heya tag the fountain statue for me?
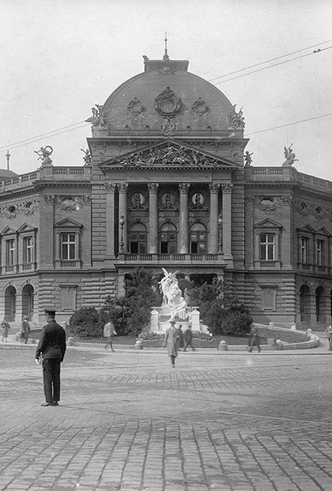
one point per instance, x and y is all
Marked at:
(174, 307)
(172, 295)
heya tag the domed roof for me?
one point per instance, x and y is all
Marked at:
(167, 92)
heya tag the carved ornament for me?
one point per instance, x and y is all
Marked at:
(153, 187)
(184, 188)
(135, 107)
(200, 107)
(167, 103)
(169, 155)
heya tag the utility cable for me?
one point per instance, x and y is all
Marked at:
(268, 61)
(27, 141)
(289, 124)
(271, 66)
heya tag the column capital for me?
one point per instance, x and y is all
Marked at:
(184, 187)
(214, 188)
(226, 187)
(110, 187)
(153, 187)
(122, 187)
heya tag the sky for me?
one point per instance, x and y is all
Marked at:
(58, 58)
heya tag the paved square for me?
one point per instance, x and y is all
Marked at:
(129, 422)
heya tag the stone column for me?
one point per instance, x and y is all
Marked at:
(110, 190)
(123, 213)
(214, 232)
(153, 218)
(227, 220)
(183, 225)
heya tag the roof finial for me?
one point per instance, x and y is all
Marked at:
(166, 57)
(8, 157)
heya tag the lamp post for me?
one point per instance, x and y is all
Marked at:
(122, 222)
(220, 222)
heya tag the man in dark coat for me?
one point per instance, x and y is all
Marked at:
(254, 339)
(52, 348)
(188, 338)
(25, 329)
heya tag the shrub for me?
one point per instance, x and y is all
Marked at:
(151, 336)
(85, 323)
(202, 335)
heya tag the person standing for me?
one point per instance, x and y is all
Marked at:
(52, 349)
(181, 337)
(171, 342)
(328, 332)
(254, 339)
(109, 332)
(188, 338)
(25, 330)
(5, 328)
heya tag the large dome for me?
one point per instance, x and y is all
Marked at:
(166, 91)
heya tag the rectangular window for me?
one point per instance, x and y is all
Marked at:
(27, 250)
(304, 250)
(10, 252)
(267, 247)
(319, 252)
(68, 246)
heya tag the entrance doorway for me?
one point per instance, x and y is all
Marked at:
(27, 301)
(10, 303)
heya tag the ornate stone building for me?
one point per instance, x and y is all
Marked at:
(167, 183)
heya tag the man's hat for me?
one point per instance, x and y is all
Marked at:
(172, 323)
(50, 311)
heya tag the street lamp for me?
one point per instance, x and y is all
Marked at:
(220, 222)
(122, 222)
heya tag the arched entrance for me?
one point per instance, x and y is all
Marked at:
(10, 303)
(305, 303)
(320, 304)
(27, 301)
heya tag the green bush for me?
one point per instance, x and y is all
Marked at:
(85, 323)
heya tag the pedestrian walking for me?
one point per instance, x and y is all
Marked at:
(254, 339)
(5, 328)
(25, 330)
(181, 337)
(171, 342)
(188, 339)
(109, 332)
(51, 348)
(328, 332)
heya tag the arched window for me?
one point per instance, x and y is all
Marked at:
(168, 239)
(197, 239)
(137, 239)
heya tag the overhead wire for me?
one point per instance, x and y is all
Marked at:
(268, 61)
(37, 138)
(81, 124)
(289, 124)
(271, 66)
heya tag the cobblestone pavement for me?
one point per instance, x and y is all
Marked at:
(129, 422)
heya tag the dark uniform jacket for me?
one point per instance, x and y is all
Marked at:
(52, 342)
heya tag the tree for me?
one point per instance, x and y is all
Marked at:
(132, 312)
(221, 310)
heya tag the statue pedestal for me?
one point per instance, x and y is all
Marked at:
(160, 317)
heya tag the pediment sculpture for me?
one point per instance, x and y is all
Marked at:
(170, 155)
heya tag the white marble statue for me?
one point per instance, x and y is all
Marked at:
(172, 295)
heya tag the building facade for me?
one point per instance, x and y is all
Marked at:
(167, 183)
